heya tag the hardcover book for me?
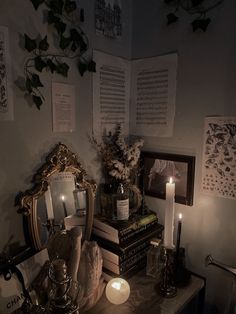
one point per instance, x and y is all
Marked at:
(119, 232)
(119, 252)
(124, 266)
(108, 274)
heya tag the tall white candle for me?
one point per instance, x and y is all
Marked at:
(169, 214)
(48, 200)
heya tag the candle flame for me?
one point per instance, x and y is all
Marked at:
(180, 216)
(62, 197)
(171, 180)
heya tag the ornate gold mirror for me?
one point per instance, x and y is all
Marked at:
(61, 197)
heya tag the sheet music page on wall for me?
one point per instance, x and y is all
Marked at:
(63, 107)
(6, 97)
(139, 94)
(111, 93)
(153, 95)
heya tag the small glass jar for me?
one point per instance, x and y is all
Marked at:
(80, 199)
(154, 263)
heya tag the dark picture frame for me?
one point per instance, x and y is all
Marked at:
(157, 168)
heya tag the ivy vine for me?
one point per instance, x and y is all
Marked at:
(72, 43)
(198, 8)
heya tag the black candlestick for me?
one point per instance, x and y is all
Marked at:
(178, 238)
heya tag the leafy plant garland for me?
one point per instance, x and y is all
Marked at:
(193, 7)
(73, 43)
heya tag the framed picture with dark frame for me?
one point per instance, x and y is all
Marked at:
(157, 168)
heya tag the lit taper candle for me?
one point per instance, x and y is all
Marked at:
(169, 214)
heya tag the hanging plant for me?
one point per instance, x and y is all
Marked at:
(198, 8)
(72, 43)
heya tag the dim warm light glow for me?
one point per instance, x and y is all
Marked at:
(171, 180)
(117, 290)
(180, 216)
(62, 197)
(116, 285)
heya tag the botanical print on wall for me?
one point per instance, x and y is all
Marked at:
(219, 157)
(108, 18)
(6, 106)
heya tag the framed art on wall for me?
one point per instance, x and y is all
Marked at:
(157, 168)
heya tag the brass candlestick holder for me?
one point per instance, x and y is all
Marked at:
(167, 287)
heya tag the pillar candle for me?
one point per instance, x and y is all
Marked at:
(169, 214)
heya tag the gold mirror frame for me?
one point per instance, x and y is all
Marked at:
(61, 159)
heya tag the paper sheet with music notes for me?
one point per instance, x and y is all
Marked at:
(6, 97)
(139, 94)
(219, 157)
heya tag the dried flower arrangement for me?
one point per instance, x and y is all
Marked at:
(120, 157)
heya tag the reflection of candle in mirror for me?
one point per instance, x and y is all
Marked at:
(48, 200)
(64, 205)
(117, 291)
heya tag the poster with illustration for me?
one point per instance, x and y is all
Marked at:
(6, 105)
(219, 157)
(108, 20)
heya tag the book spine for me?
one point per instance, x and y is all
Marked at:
(133, 233)
(108, 274)
(126, 265)
(137, 225)
(119, 257)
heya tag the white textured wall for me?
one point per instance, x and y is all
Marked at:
(25, 141)
(205, 86)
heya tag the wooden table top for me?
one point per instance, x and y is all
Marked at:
(145, 298)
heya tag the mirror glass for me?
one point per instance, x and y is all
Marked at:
(61, 198)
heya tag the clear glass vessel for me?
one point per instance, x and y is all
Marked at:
(121, 204)
(154, 262)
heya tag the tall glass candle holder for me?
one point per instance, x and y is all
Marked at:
(167, 286)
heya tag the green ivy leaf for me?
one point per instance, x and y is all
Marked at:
(60, 27)
(200, 24)
(171, 18)
(64, 42)
(78, 39)
(195, 3)
(35, 81)
(56, 6)
(37, 100)
(28, 85)
(73, 47)
(52, 18)
(62, 68)
(92, 66)
(43, 44)
(51, 65)
(82, 67)
(70, 6)
(30, 44)
(37, 3)
(39, 64)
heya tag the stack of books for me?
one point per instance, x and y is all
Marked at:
(124, 244)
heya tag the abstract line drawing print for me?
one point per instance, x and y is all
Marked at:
(219, 157)
(3, 75)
